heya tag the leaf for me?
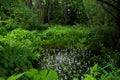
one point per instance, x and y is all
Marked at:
(31, 73)
(2, 78)
(118, 71)
(96, 73)
(48, 75)
(94, 68)
(43, 74)
(36, 77)
(89, 77)
(75, 79)
(52, 75)
(14, 77)
(107, 78)
(1, 48)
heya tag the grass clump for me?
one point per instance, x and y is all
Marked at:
(64, 37)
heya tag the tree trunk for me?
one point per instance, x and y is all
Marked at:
(90, 22)
(40, 10)
(48, 10)
(116, 7)
(65, 11)
(118, 23)
(30, 4)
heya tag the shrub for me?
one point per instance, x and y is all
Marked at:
(80, 37)
(102, 35)
(18, 50)
(64, 37)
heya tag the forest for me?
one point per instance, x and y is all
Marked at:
(59, 39)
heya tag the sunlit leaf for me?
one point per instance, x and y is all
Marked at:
(2, 78)
(75, 79)
(14, 77)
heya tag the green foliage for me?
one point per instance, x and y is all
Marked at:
(34, 74)
(2, 78)
(76, 13)
(101, 35)
(75, 79)
(29, 17)
(14, 77)
(22, 17)
(98, 14)
(64, 37)
(85, 38)
(3, 31)
(103, 73)
(18, 49)
(48, 75)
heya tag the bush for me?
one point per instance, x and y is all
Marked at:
(18, 50)
(80, 37)
(3, 31)
(64, 37)
(105, 35)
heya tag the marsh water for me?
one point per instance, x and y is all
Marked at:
(68, 63)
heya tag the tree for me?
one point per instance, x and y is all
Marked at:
(114, 4)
